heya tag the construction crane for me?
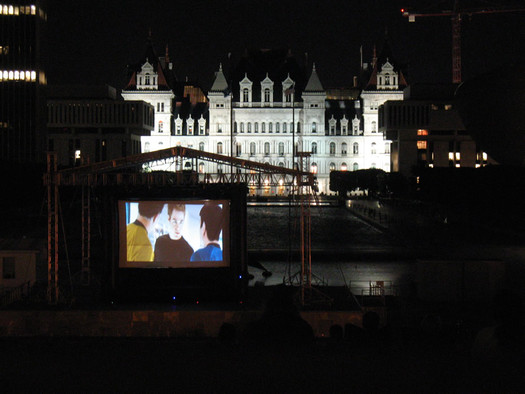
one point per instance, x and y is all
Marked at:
(456, 15)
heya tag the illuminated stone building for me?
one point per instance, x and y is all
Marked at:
(266, 104)
(22, 125)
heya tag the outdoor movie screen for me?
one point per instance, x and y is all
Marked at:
(174, 233)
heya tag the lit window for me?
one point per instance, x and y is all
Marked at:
(356, 166)
(422, 132)
(332, 148)
(281, 148)
(266, 148)
(421, 145)
(374, 149)
(356, 148)
(219, 147)
(313, 168)
(33, 75)
(332, 166)
(343, 167)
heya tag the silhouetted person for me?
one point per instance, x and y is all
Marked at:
(498, 350)
(281, 322)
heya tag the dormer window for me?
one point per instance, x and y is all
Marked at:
(267, 90)
(245, 87)
(266, 95)
(288, 90)
(146, 79)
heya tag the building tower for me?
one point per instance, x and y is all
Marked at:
(22, 124)
(149, 83)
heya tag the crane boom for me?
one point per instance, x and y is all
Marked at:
(456, 16)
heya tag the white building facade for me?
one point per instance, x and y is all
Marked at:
(262, 111)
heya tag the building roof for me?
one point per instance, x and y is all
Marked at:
(385, 56)
(314, 84)
(276, 64)
(220, 84)
(161, 65)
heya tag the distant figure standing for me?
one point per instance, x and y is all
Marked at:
(211, 226)
(172, 247)
(139, 247)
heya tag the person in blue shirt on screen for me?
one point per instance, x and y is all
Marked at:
(211, 226)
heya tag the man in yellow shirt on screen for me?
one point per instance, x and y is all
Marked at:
(139, 247)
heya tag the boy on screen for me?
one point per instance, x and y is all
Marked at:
(138, 243)
(210, 230)
(172, 247)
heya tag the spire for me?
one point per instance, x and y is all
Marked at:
(374, 59)
(314, 84)
(220, 84)
(167, 56)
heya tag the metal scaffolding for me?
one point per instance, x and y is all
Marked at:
(130, 171)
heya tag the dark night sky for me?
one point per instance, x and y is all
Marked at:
(92, 41)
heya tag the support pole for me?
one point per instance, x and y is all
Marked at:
(52, 229)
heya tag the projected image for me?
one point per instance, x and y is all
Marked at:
(173, 234)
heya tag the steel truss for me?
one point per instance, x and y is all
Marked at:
(134, 170)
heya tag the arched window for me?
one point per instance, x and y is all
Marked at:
(314, 148)
(298, 127)
(245, 95)
(277, 127)
(201, 168)
(374, 126)
(332, 148)
(263, 127)
(238, 149)
(266, 95)
(219, 148)
(266, 148)
(252, 148)
(242, 127)
(314, 127)
(249, 127)
(235, 127)
(343, 148)
(281, 148)
(343, 167)
(256, 127)
(356, 148)
(374, 149)
(201, 145)
(284, 127)
(332, 166)
(313, 168)
(270, 127)
(373, 165)
(356, 167)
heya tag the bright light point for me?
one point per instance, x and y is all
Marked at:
(173, 298)
(240, 276)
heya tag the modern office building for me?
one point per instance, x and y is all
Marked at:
(89, 124)
(426, 131)
(22, 122)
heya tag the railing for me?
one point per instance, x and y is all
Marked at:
(14, 294)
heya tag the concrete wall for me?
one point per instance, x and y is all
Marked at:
(149, 323)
